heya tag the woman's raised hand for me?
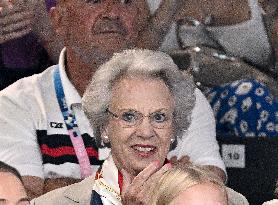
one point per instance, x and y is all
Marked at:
(137, 190)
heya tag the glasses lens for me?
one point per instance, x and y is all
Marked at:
(129, 118)
(160, 120)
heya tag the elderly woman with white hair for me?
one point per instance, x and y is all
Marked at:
(138, 104)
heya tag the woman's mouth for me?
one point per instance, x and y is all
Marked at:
(144, 150)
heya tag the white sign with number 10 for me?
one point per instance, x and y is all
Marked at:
(233, 155)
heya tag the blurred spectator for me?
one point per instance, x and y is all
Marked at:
(227, 47)
(41, 116)
(24, 29)
(12, 191)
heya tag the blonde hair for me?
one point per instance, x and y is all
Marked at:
(179, 179)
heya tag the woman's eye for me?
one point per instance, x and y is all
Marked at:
(129, 117)
(159, 117)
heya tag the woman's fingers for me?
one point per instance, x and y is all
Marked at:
(15, 16)
(14, 35)
(127, 180)
(144, 194)
(144, 175)
(131, 189)
(153, 179)
(137, 191)
(14, 25)
(17, 26)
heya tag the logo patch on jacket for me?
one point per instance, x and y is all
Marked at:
(56, 125)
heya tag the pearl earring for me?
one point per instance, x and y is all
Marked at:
(105, 139)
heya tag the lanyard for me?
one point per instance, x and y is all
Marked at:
(72, 127)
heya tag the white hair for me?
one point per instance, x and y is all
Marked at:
(139, 63)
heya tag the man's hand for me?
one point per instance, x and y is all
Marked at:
(137, 191)
(15, 20)
(216, 171)
(33, 186)
(185, 160)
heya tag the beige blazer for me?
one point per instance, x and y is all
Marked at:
(80, 193)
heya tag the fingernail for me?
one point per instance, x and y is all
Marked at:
(156, 163)
(169, 165)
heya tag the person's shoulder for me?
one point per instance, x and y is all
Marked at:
(202, 112)
(28, 93)
(235, 198)
(28, 85)
(272, 202)
(78, 193)
(201, 100)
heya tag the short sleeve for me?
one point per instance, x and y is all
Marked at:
(19, 147)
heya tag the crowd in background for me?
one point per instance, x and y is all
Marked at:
(230, 47)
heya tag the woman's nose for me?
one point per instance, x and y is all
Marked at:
(145, 129)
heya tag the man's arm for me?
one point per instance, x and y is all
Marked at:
(19, 147)
(33, 186)
(159, 24)
(36, 186)
(199, 142)
(51, 184)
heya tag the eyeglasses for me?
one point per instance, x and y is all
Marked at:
(160, 119)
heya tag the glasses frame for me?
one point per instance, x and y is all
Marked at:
(140, 120)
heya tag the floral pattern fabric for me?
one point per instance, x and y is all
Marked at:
(244, 108)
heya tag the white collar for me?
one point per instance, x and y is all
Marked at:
(109, 173)
(71, 94)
